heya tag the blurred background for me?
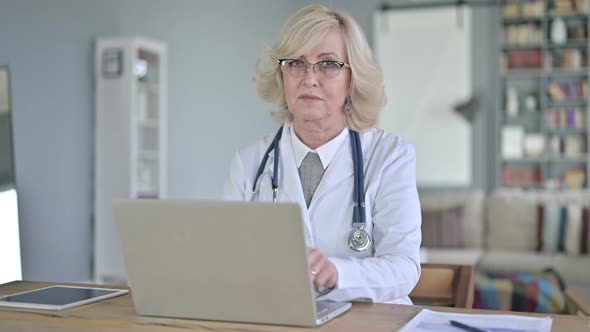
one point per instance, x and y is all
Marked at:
(145, 98)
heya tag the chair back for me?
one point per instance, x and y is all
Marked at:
(445, 285)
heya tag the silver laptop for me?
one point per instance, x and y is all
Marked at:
(228, 261)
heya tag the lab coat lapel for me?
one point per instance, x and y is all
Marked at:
(289, 184)
(340, 169)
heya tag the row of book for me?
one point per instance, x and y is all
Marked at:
(567, 59)
(536, 8)
(531, 34)
(527, 34)
(521, 175)
(569, 6)
(576, 30)
(567, 146)
(567, 91)
(566, 118)
(518, 144)
(523, 9)
(530, 176)
(574, 179)
(522, 60)
(571, 179)
(571, 58)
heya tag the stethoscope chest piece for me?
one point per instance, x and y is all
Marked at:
(359, 239)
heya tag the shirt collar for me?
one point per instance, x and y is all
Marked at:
(326, 152)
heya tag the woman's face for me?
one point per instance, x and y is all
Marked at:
(314, 97)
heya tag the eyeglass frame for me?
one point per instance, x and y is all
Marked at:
(342, 64)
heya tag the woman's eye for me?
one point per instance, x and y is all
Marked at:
(296, 63)
(330, 65)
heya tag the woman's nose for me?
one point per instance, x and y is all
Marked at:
(310, 77)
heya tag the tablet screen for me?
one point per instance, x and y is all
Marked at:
(60, 296)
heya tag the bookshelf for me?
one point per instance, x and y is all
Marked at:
(130, 138)
(544, 94)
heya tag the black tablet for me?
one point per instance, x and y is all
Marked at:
(59, 297)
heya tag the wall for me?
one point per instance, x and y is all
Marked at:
(212, 49)
(48, 44)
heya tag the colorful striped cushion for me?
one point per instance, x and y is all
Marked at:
(563, 229)
(524, 291)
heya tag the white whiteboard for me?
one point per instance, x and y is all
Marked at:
(425, 55)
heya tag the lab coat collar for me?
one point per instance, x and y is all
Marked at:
(326, 152)
(340, 169)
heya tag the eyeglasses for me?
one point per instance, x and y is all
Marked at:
(326, 69)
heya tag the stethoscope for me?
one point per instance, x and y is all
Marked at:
(359, 239)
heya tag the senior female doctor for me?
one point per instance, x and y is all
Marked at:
(363, 217)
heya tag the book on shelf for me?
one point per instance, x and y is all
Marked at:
(574, 145)
(576, 31)
(553, 184)
(524, 59)
(574, 178)
(512, 142)
(566, 118)
(534, 145)
(523, 9)
(523, 34)
(555, 146)
(565, 7)
(567, 91)
(568, 59)
(521, 175)
(532, 9)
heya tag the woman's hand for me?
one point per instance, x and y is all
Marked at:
(323, 270)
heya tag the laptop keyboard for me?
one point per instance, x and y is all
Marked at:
(320, 309)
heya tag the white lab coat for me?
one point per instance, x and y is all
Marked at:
(389, 270)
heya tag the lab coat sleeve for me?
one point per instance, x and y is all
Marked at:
(394, 269)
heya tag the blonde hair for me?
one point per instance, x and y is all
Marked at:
(304, 30)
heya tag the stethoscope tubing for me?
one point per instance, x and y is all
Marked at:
(358, 214)
(275, 177)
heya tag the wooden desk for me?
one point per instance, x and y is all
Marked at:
(117, 314)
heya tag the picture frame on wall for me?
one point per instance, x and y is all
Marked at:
(112, 62)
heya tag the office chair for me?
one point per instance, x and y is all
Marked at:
(445, 285)
(576, 305)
